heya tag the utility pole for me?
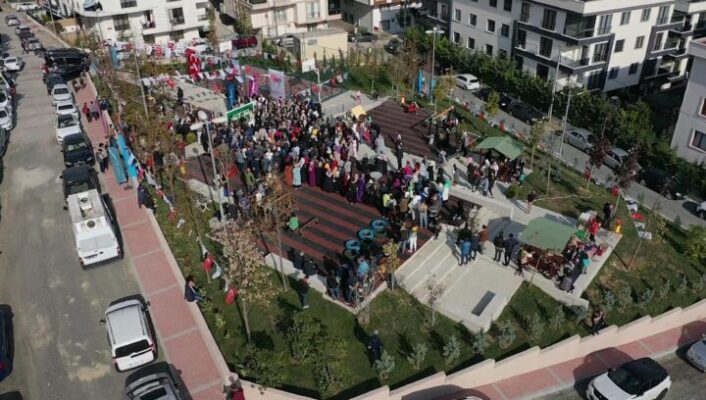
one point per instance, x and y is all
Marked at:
(433, 61)
(142, 86)
(556, 77)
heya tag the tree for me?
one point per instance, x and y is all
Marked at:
(391, 262)
(624, 298)
(434, 292)
(696, 243)
(556, 320)
(442, 87)
(626, 172)
(418, 355)
(596, 155)
(537, 133)
(305, 334)
(245, 270)
(506, 334)
(329, 364)
(264, 366)
(452, 350)
(655, 224)
(493, 104)
(385, 365)
(481, 341)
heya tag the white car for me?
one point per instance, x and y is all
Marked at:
(61, 92)
(468, 82)
(5, 99)
(642, 379)
(5, 119)
(14, 64)
(131, 341)
(66, 108)
(27, 6)
(66, 124)
(701, 210)
(580, 138)
(615, 157)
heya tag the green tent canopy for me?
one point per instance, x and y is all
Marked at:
(546, 234)
(504, 145)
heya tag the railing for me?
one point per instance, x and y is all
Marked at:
(128, 3)
(176, 21)
(148, 25)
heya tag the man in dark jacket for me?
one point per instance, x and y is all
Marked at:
(509, 247)
(375, 345)
(498, 242)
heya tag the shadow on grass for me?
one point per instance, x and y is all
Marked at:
(363, 387)
(413, 378)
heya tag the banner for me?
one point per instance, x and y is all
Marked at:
(277, 83)
(117, 164)
(246, 111)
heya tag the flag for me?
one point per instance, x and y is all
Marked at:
(204, 251)
(217, 272)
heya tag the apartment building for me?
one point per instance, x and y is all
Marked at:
(379, 15)
(153, 21)
(272, 18)
(689, 138)
(599, 44)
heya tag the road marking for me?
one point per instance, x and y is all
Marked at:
(180, 334)
(162, 290)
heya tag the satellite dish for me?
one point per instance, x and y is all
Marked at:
(91, 224)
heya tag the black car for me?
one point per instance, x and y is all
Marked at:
(5, 348)
(504, 99)
(394, 46)
(51, 80)
(525, 112)
(79, 179)
(77, 150)
(361, 37)
(70, 72)
(662, 182)
(159, 385)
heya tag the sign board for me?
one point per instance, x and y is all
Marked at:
(246, 111)
(308, 65)
(225, 46)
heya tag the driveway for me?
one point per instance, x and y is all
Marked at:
(61, 351)
(683, 210)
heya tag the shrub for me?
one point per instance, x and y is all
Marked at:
(191, 138)
(481, 341)
(385, 365)
(624, 298)
(608, 301)
(556, 320)
(418, 355)
(646, 297)
(683, 285)
(535, 326)
(512, 191)
(506, 335)
(664, 290)
(452, 350)
(580, 313)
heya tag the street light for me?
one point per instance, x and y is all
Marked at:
(433, 61)
(318, 83)
(216, 180)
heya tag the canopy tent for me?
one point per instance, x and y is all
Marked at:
(546, 234)
(504, 145)
(357, 111)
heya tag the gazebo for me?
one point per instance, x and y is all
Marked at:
(546, 239)
(504, 145)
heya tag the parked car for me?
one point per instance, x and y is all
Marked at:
(52, 80)
(28, 6)
(243, 42)
(5, 100)
(697, 354)
(701, 210)
(32, 44)
(393, 47)
(580, 138)
(361, 37)
(14, 64)
(154, 386)
(79, 179)
(66, 108)
(662, 182)
(4, 139)
(5, 119)
(525, 112)
(61, 92)
(22, 28)
(11, 20)
(67, 124)
(131, 341)
(70, 72)
(504, 99)
(77, 150)
(285, 41)
(642, 379)
(5, 334)
(467, 82)
(615, 158)
(25, 35)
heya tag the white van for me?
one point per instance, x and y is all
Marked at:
(92, 224)
(131, 340)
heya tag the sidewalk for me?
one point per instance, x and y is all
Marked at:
(563, 376)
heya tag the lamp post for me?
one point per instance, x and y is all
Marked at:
(318, 83)
(433, 61)
(216, 179)
(561, 141)
(556, 78)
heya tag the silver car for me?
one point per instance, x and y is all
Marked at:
(580, 138)
(61, 92)
(697, 355)
(155, 386)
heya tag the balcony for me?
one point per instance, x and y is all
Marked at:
(177, 21)
(568, 65)
(148, 25)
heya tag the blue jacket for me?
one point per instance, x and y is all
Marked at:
(466, 247)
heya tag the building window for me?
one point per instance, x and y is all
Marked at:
(280, 15)
(658, 42)
(604, 24)
(457, 14)
(385, 24)
(444, 12)
(121, 23)
(457, 37)
(545, 47)
(202, 17)
(619, 44)
(549, 20)
(471, 43)
(639, 42)
(633, 68)
(502, 53)
(600, 52)
(313, 11)
(128, 3)
(703, 107)
(699, 140)
(625, 18)
(594, 80)
(543, 71)
(613, 73)
(202, 4)
(521, 38)
(490, 26)
(507, 5)
(489, 49)
(645, 14)
(525, 12)
(505, 30)
(519, 62)
(176, 16)
(472, 19)
(493, 3)
(663, 15)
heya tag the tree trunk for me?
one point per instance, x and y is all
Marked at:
(532, 158)
(244, 314)
(279, 246)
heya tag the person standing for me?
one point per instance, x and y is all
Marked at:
(375, 345)
(531, 198)
(465, 248)
(498, 242)
(95, 110)
(423, 212)
(399, 151)
(597, 321)
(413, 239)
(333, 286)
(608, 212)
(509, 247)
(102, 158)
(86, 111)
(484, 237)
(304, 292)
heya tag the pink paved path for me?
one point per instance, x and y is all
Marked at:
(185, 344)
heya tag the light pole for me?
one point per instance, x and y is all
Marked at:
(318, 83)
(561, 141)
(433, 61)
(556, 78)
(216, 179)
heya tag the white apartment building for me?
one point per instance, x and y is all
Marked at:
(379, 15)
(689, 138)
(599, 44)
(272, 18)
(151, 21)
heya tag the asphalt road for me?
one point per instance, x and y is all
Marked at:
(684, 210)
(688, 383)
(61, 351)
